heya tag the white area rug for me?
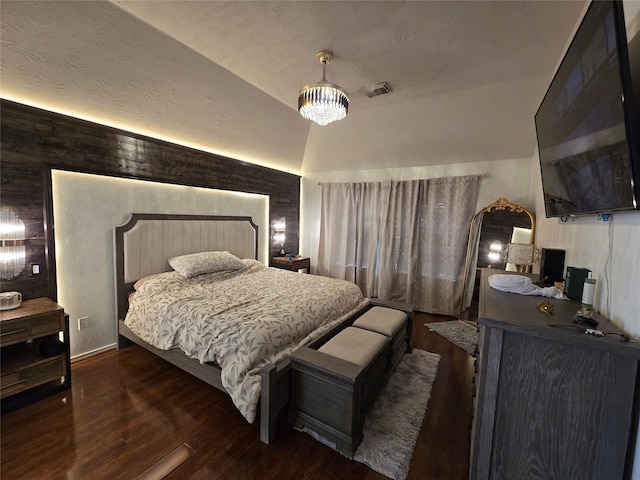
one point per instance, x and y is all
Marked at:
(459, 333)
(392, 426)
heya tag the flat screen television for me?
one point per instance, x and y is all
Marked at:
(587, 124)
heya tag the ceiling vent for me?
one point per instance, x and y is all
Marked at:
(379, 89)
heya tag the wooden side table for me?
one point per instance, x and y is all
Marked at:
(35, 363)
(294, 263)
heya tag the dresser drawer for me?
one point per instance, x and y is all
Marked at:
(38, 373)
(21, 329)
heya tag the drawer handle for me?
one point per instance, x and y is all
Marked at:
(14, 383)
(13, 332)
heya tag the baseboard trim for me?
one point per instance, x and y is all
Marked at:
(92, 353)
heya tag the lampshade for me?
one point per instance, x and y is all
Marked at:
(521, 255)
(323, 102)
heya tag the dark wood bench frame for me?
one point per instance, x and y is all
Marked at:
(331, 396)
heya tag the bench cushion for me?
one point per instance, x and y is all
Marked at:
(383, 320)
(355, 345)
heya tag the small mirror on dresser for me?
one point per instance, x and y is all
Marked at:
(491, 231)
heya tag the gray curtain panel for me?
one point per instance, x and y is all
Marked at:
(399, 240)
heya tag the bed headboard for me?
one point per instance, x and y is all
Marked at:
(145, 244)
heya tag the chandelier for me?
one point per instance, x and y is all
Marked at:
(323, 102)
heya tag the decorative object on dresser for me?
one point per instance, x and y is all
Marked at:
(292, 262)
(10, 300)
(551, 401)
(490, 230)
(521, 256)
(35, 363)
(462, 334)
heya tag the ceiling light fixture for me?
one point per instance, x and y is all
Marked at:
(323, 102)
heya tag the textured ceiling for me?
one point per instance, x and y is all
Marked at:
(467, 77)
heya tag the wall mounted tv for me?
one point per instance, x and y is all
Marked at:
(587, 125)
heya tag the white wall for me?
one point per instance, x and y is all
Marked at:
(502, 178)
(86, 208)
(611, 250)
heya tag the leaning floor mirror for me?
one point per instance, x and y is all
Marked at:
(494, 231)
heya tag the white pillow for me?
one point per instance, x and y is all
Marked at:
(205, 262)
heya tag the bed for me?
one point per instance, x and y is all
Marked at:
(245, 350)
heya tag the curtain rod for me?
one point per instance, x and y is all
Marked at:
(479, 175)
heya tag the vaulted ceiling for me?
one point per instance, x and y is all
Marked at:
(223, 76)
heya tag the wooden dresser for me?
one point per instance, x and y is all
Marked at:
(551, 402)
(35, 361)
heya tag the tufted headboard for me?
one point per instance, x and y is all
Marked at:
(145, 243)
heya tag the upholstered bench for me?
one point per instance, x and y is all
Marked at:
(392, 323)
(333, 387)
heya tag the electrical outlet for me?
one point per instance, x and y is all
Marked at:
(83, 322)
(35, 269)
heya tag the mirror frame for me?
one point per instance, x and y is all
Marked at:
(499, 205)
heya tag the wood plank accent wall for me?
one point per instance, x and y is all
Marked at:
(34, 141)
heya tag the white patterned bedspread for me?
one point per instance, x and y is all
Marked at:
(242, 320)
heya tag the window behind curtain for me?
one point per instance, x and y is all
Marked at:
(404, 241)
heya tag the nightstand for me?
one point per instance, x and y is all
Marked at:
(35, 362)
(294, 263)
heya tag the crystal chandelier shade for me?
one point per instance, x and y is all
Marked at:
(323, 102)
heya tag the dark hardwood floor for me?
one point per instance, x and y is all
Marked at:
(128, 409)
